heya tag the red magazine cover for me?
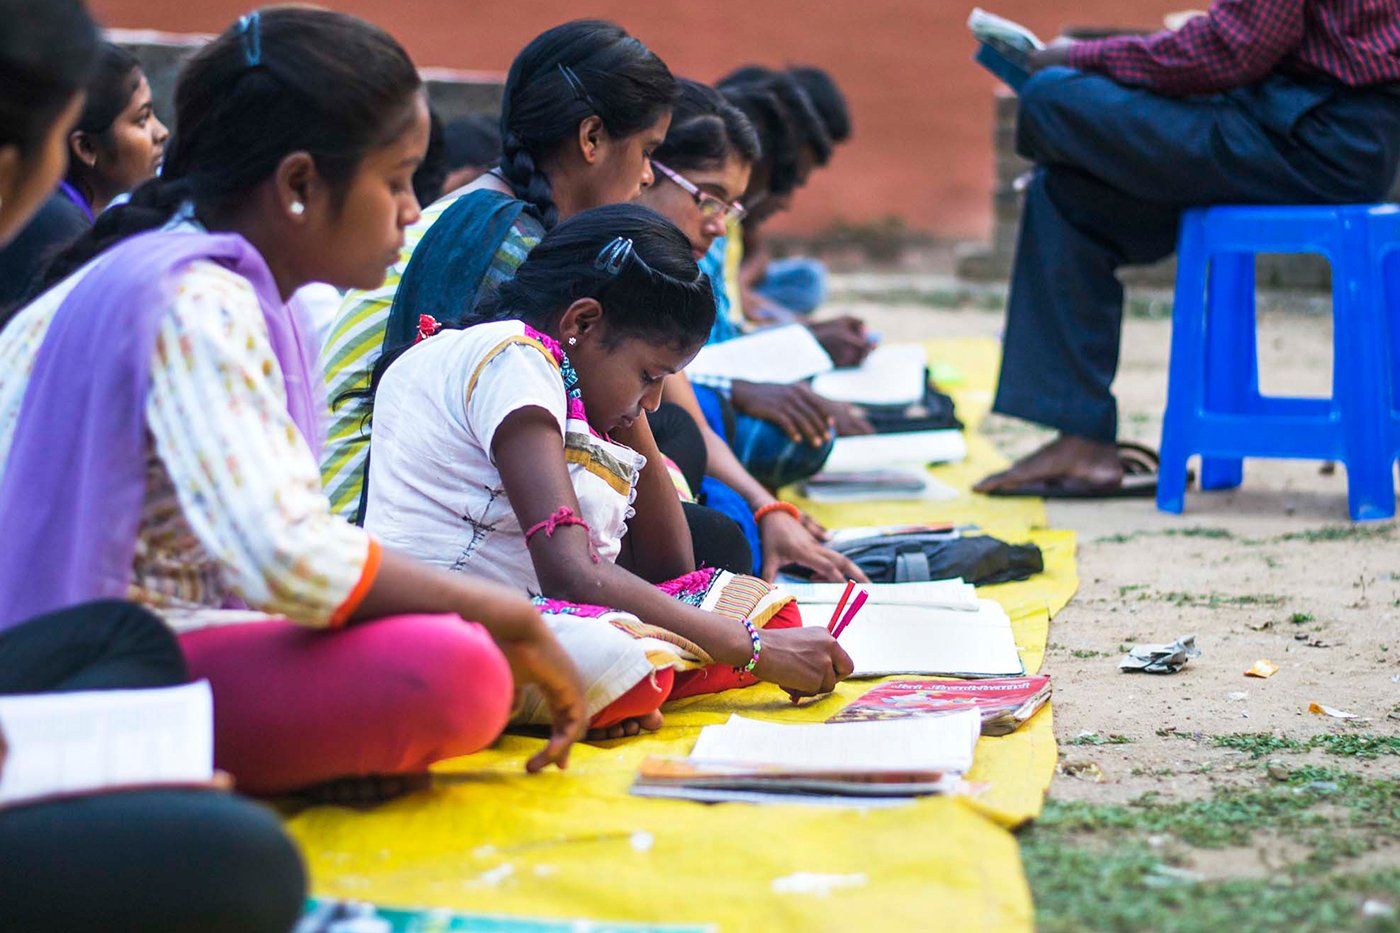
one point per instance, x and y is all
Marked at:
(1004, 703)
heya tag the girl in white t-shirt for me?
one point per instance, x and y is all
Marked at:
(519, 450)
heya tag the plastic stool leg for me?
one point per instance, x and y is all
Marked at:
(1232, 356)
(1185, 376)
(1361, 375)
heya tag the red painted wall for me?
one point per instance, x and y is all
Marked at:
(922, 109)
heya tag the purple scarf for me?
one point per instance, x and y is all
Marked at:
(74, 485)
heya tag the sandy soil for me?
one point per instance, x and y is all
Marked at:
(1257, 583)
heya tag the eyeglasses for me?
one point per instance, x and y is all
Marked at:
(710, 206)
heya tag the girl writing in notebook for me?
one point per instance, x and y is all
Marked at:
(520, 450)
(181, 468)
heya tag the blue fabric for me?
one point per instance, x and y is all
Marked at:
(775, 459)
(712, 264)
(450, 263)
(798, 283)
(1116, 166)
(713, 407)
(727, 502)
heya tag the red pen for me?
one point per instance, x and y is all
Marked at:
(841, 604)
(859, 601)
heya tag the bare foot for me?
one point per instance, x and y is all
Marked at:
(1067, 458)
(628, 727)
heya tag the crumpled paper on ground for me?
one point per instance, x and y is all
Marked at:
(1160, 659)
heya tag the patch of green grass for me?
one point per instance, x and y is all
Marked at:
(1093, 738)
(1215, 600)
(1090, 866)
(1348, 745)
(1301, 618)
(1223, 534)
(1340, 533)
(1087, 653)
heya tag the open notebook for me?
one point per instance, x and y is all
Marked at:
(934, 594)
(883, 451)
(70, 743)
(904, 639)
(893, 374)
(776, 354)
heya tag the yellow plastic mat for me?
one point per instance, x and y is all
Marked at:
(576, 844)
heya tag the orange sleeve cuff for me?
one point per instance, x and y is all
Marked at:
(357, 595)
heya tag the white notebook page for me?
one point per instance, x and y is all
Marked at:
(892, 639)
(778, 354)
(893, 374)
(882, 451)
(921, 743)
(69, 742)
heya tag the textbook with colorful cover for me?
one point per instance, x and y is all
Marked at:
(1003, 704)
(1005, 46)
(899, 758)
(339, 916)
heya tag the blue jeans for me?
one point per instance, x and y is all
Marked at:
(774, 459)
(1115, 168)
(798, 284)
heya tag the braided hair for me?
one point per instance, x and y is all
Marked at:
(565, 75)
(281, 80)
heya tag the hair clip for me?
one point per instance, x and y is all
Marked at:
(614, 256)
(580, 93)
(250, 28)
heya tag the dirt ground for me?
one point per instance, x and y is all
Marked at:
(1273, 570)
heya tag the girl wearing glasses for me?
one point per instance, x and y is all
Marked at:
(702, 168)
(520, 450)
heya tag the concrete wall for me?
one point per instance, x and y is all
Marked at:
(923, 111)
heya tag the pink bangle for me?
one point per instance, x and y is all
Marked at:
(563, 516)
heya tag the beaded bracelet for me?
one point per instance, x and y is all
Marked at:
(772, 507)
(757, 649)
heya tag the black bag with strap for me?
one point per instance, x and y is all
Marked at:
(923, 556)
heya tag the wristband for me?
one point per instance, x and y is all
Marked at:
(772, 507)
(757, 649)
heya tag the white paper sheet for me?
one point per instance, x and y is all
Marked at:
(776, 354)
(893, 639)
(70, 742)
(883, 451)
(934, 594)
(876, 486)
(927, 743)
(893, 374)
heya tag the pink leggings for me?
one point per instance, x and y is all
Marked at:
(295, 706)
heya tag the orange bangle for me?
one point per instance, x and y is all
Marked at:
(772, 507)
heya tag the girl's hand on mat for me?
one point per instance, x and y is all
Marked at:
(787, 541)
(804, 661)
(542, 662)
(795, 409)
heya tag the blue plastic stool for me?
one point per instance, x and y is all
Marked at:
(1213, 403)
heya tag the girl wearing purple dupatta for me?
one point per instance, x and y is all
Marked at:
(159, 428)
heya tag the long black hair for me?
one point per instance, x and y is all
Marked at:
(785, 118)
(634, 261)
(109, 91)
(706, 131)
(281, 80)
(565, 75)
(826, 96)
(47, 52)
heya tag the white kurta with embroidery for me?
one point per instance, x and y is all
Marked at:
(234, 508)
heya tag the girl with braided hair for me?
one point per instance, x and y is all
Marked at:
(585, 104)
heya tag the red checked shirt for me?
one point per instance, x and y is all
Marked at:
(1239, 42)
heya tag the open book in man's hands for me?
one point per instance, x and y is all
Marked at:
(1005, 46)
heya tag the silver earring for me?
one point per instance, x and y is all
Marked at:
(297, 208)
(573, 341)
